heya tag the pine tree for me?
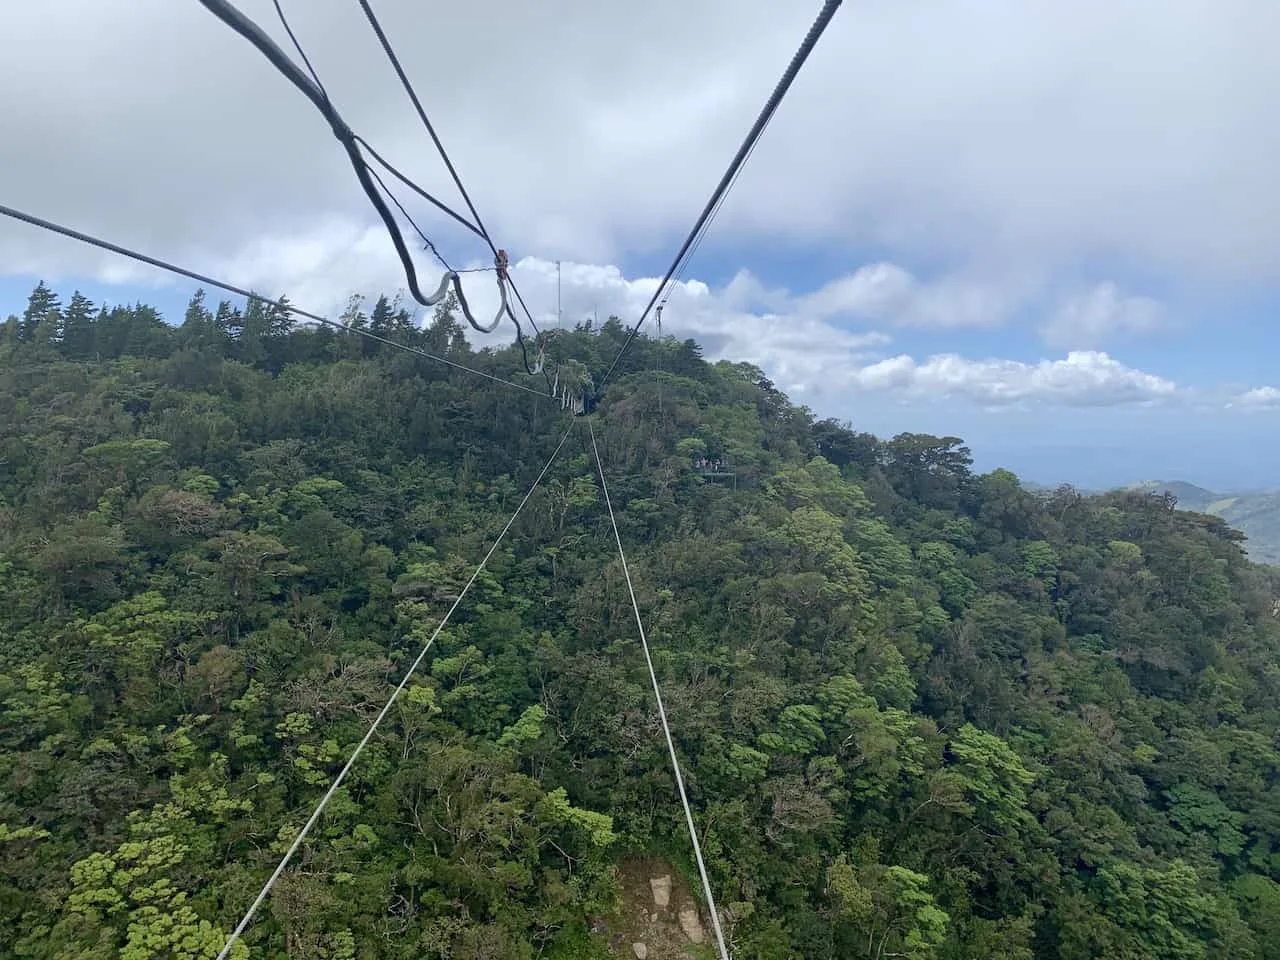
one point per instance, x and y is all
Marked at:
(42, 307)
(444, 333)
(229, 320)
(77, 328)
(280, 321)
(147, 335)
(380, 319)
(197, 313)
(251, 347)
(401, 318)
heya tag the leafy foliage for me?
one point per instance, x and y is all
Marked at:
(922, 712)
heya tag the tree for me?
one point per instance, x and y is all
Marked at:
(41, 312)
(918, 712)
(891, 909)
(933, 471)
(77, 328)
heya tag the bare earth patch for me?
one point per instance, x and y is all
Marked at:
(660, 919)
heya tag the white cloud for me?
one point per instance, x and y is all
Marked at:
(1082, 379)
(1032, 134)
(794, 337)
(1259, 398)
(1103, 313)
(800, 348)
(886, 293)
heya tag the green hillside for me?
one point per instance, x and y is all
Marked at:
(1255, 514)
(920, 712)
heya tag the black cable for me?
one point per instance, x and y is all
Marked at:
(422, 114)
(331, 111)
(246, 28)
(413, 223)
(368, 148)
(444, 154)
(284, 22)
(730, 175)
(248, 294)
(386, 165)
(706, 227)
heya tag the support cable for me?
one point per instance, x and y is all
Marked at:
(829, 8)
(249, 30)
(315, 91)
(351, 141)
(306, 61)
(444, 155)
(337, 782)
(248, 294)
(413, 223)
(662, 712)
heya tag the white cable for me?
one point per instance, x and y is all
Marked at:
(662, 712)
(297, 842)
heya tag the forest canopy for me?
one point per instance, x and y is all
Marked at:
(921, 711)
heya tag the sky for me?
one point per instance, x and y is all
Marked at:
(1050, 229)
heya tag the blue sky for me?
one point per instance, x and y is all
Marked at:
(1092, 447)
(1049, 229)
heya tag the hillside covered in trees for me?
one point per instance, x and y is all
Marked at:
(1255, 513)
(921, 712)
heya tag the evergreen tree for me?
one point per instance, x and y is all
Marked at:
(42, 310)
(280, 319)
(77, 327)
(380, 319)
(228, 320)
(256, 328)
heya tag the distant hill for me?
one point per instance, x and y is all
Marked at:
(1256, 514)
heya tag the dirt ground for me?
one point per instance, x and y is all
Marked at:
(658, 928)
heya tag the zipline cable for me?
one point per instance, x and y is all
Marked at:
(702, 234)
(829, 8)
(337, 782)
(306, 61)
(444, 155)
(246, 28)
(330, 111)
(413, 223)
(387, 165)
(662, 712)
(248, 294)
(315, 77)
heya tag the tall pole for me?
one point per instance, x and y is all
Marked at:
(557, 293)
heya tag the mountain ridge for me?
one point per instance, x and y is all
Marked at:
(1255, 513)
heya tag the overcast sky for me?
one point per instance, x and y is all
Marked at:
(1050, 228)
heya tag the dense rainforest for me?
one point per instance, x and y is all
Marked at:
(921, 712)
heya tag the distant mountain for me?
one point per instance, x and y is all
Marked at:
(1256, 514)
